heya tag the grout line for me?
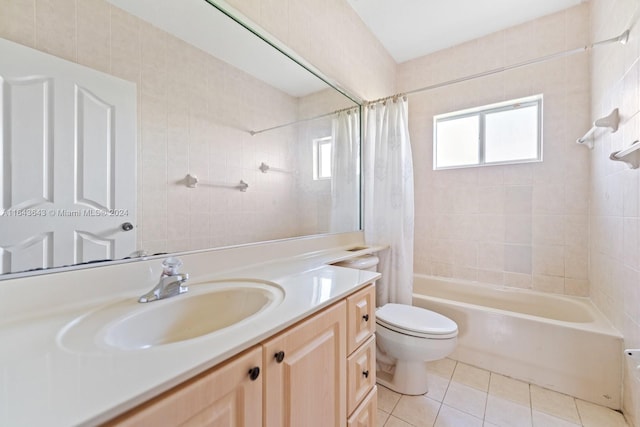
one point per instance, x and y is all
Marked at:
(575, 402)
(530, 402)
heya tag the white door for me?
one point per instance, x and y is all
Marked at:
(67, 162)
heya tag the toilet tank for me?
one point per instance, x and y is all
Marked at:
(363, 262)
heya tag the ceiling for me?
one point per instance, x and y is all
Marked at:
(412, 28)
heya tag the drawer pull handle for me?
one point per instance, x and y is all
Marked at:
(365, 374)
(254, 373)
(279, 356)
(366, 317)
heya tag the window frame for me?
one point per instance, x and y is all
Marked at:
(317, 158)
(481, 112)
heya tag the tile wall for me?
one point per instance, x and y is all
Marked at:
(331, 36)
(190, 106)
(615, 189)
(518, 225)
(189, 109)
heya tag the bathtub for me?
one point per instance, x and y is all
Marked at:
(559, 342)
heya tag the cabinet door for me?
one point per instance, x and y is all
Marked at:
(305, 369)
(367, 412)
(361, 317)
(226, 396)
(361, 373)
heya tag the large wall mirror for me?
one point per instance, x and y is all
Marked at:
(131, 128)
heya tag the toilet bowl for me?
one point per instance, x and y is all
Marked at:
(407, 337)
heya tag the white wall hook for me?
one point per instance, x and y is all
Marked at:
(611, 121)
(630, 155)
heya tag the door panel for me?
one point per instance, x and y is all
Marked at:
(27, 135)
(95, 148)
(68, 167)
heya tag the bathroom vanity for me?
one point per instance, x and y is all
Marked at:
(306, 358)
(299, 374)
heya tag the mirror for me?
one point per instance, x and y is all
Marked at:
(142, 127)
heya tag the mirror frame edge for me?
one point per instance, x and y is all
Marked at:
(264, 35)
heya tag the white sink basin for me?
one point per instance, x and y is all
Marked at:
(207, 308)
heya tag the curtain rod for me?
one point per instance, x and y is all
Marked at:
(255, 132)
(622, 38)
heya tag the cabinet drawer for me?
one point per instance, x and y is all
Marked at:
(361, 373)
(366, 414)
(361, 317)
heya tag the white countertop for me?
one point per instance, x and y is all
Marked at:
(43, 382)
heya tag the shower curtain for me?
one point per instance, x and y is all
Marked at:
(388, 199)
(345, 173)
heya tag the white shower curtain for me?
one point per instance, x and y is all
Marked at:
(345, 176)
(388, 199)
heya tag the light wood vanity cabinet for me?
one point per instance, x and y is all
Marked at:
(318, 373)
(361, 362)
(361, 320)
(361, 373)
(366, 414)
(227, 395)
(305, 370)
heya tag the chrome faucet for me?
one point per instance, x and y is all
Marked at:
(170, 283)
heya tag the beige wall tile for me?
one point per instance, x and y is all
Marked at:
(544, 204)
(94, 34)
(56, 28)
(17, 21)
(614, 264)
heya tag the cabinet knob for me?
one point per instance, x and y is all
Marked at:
(254, 373)
(279, 356)
(365, 374)
(366, 317)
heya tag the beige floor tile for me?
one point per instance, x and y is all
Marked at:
(456, 398)
(466, 399)
(510, 389)
(597, 416)
(396, 422)
(387, 399)
(442, 367)
(419, 411)
(451, 417)
(437, 387)
(540, 419)
(554, 403)
(506, 413)
(382, 418)
(471, 376)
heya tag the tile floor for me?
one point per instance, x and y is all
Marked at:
(465, 396)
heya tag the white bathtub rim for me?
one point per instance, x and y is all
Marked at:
(601, 325)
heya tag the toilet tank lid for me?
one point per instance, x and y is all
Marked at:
(360, 262)
(415, 319)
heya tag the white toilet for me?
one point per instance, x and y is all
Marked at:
(406, 338)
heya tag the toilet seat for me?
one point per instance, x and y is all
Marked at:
(416, 321)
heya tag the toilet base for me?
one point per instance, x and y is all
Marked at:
(409, 378)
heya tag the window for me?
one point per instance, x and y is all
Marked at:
(322, 158)
(508, 132)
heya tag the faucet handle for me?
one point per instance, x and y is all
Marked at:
(171, 265)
